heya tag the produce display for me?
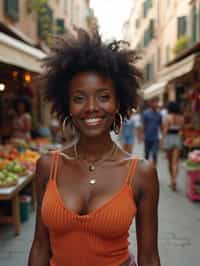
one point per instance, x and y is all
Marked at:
(14, 164)
(8, 178)
(10, 173)
(28, 159)
(192, 166)
(193, 161)
(8, 152)
(192, 141)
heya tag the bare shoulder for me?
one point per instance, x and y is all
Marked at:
(146, 178)
(43, 168)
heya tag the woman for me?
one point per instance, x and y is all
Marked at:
(127, 135)
(172, 142)
(22, 122)
(89, 193)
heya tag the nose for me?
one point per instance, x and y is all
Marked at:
(92, 104)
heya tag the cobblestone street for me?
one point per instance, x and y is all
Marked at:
(179, 228)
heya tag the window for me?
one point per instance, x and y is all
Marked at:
(194, 24)
(149, 71)
(147, 4)
(182, 26)
(149, 33)
(11, 9)
(60, 26)
(45, 22)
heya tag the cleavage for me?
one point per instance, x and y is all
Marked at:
(83, 198)
(86, 198)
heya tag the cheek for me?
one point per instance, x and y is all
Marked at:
(74, 108)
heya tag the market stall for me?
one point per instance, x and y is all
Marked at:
(192, 166)
(191, 131)
(16, 175)
(11, 192)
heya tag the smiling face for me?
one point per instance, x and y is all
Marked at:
(92, 103)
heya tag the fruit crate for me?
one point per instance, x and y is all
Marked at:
(10, 184)
(193, 184)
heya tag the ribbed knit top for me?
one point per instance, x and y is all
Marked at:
(99, 238)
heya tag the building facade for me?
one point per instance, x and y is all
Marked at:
(162, 30)
(26, 30)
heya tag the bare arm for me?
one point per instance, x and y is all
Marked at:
(165, 125)
(141, 129)
(40, 250)
(146, 189)
(27, 122)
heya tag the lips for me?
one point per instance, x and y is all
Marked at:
(93, 121)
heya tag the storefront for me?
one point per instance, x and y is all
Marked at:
(182, 77)
(19, 65)
(183, 85)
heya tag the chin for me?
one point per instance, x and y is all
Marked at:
(95, 133)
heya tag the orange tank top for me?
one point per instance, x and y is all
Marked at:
(95, 239)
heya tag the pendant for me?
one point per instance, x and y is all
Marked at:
(91, 168)
(92, 181)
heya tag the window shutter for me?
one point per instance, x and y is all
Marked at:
(194, 24)
(151, 28)
(45, 22)
(60, 26)
(11, 9)
(147, 4)
(148, 72)
(149, 33)
(144, 9)
(182, 26)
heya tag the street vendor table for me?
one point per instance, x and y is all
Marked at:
(12, 193)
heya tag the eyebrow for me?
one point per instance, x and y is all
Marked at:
(98, 90)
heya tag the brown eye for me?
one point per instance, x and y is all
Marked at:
(78, 98)
(104, 97)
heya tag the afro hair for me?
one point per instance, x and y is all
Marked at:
(83, 52)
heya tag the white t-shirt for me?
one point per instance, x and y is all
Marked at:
(136, 119)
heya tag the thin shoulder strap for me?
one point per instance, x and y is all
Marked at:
(131, 171)
(54, 164)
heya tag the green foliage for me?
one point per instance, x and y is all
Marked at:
(181, 44)
(36, 5)
(46, 23)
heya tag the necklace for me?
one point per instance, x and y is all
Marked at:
(91, 166)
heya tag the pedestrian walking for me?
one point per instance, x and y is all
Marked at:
(89, 193)
(172, 140)
(127, 134)
(130, 131)
(152, 127)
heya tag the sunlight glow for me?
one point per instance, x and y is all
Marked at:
(111, 16)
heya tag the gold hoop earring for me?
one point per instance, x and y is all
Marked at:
(117, 123)
(65, 124)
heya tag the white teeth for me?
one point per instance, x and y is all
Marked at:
(93, 120)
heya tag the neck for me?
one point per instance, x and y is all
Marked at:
(92, 149)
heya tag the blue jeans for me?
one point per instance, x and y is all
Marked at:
(151, 147)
